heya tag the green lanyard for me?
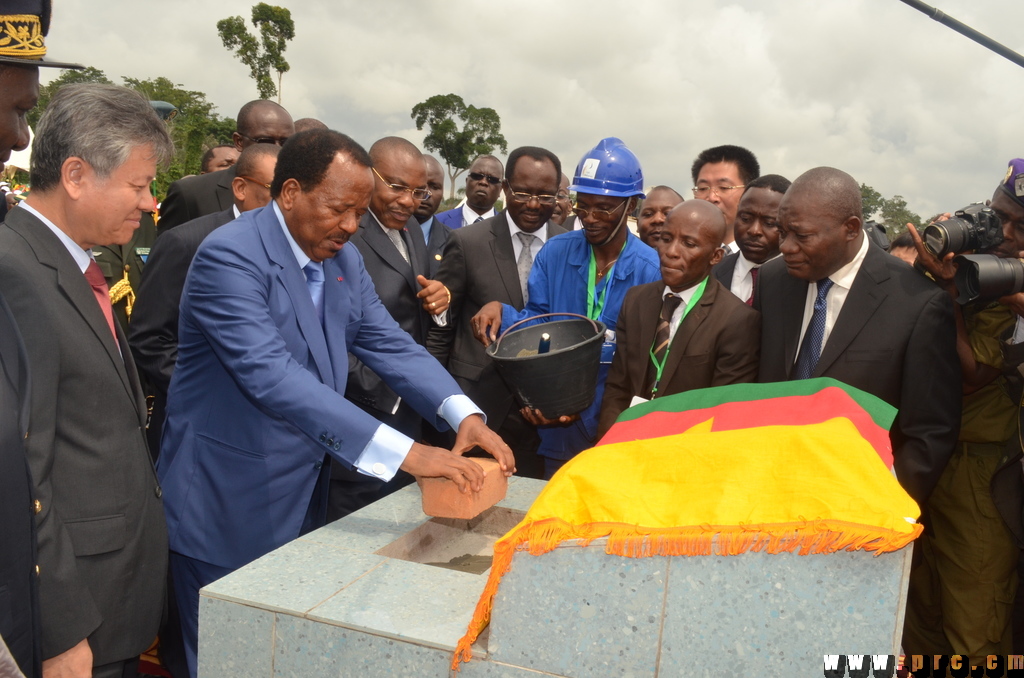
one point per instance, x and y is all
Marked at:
(660, 367)
(594, 310)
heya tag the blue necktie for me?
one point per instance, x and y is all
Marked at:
(810, 348)
(314, 271)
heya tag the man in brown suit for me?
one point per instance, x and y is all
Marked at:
(686, 331)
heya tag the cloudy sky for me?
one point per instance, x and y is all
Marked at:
(873, 87)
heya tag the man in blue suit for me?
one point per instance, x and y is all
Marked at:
(273, 303)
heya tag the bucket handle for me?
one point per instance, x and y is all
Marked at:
(534, 317)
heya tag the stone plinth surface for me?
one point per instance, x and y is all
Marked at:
(357, 598)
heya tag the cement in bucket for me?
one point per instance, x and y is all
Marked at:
(561, 381)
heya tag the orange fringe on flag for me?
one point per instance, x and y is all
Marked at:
(634, 541)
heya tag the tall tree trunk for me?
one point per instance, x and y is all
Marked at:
(279, 75)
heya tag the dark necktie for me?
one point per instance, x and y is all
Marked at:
(753, 286)
(478, 220)
(98, 283)
(525, 261)
(661, 336)
(314, 271)
(810, 348)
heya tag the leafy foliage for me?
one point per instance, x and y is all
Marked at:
(480, 131)
(263, 54)
(893, 212)
(194, 129)
(68, 77)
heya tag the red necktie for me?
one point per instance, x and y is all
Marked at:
(94, 275)
(753, 286)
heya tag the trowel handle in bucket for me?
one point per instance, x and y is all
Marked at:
(535, 317)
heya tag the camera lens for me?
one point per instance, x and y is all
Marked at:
(984, 276)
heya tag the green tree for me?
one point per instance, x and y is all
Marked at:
(896, 215)
(68, 77)
(871, 200)
(265, 53)
(194, 129)
(479, 134)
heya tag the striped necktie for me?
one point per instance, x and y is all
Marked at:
(662, 334)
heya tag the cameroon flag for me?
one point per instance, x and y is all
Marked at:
(801, 466)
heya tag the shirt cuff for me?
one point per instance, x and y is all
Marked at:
(457, 407)
(441, 319)
(385, 453)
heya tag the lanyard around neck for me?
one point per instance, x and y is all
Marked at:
(659, 366)
(595, 306)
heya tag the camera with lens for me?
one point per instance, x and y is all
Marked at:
(975, 227)
(986, 277)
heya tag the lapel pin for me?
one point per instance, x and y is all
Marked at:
(340, 279)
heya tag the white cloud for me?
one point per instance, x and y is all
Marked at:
(870, 86)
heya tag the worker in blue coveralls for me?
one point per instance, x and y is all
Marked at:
(587, 272)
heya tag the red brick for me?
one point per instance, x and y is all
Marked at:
(442, 498)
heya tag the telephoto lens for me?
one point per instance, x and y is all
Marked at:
(987, 277)
(974, 227)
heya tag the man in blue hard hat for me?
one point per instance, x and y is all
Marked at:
(586, 272)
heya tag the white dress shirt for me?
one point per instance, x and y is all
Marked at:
(742, 284)
(540, 237)
(470, 217)
(842, 280)
(81, 256)
(677, 315)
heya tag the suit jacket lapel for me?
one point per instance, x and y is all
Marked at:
(412, 234)
(337, 307)
(648, 307)
(504, 256)
(71, 282)
(225, 198)
(865, 296)
(294, 282)
(689, 327)
(377, 240)
(792, 296)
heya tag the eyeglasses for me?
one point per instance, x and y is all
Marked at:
(258, 183)
(601, 215)
(721, 191)
(417, 193)
(521, 197)
(276, 141)
(477, 176)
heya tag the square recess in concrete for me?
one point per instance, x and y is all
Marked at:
(456, 544)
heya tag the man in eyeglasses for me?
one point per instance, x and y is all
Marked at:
(395, 257)
(491, 261)
(259, 122)
(483, 184)
(584, 272)
(153, 333)
(719, 176)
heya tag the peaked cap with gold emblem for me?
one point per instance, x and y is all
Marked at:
(23, 28)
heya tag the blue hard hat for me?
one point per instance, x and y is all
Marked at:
(609, 168)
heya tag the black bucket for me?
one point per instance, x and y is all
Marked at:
(561, 381)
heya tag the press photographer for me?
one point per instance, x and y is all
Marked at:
(966, 575)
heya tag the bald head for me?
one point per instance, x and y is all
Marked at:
(820, 223)
(706, 216)
(262, 121)
(834, 189)
(303, 124)
(392, 147)
(398, 162)
(689, 243)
